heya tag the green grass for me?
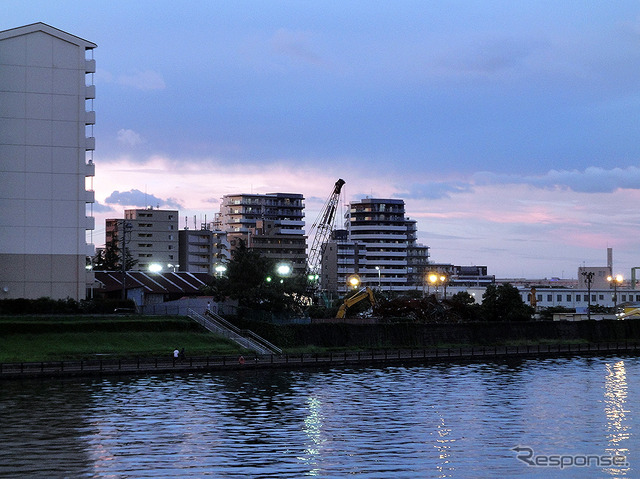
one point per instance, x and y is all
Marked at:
(66, 344)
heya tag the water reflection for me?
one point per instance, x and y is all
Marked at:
(457, 420)
(616, 410)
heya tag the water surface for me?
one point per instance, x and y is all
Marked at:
(455, 420)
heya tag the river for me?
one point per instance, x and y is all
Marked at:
(568, 417)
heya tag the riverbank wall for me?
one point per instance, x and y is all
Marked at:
(411, 335)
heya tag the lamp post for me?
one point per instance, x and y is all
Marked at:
(439, 278)
(588, 276)
(443, 280)
(616, 280)
(220, 269)
(378, 269)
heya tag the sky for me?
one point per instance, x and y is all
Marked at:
(510, 129)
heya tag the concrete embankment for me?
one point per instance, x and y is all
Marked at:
(139, 366)
(410, 335)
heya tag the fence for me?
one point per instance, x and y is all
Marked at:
(115, 366)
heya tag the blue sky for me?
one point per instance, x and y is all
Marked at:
(509, 128)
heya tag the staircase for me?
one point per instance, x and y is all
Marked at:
(243, 337)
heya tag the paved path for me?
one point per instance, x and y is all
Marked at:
(99, 367)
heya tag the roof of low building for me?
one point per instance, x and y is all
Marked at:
(171, 282)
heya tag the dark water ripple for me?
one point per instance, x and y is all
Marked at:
(459, 420)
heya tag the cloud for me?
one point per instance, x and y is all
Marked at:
(591, 180)
(294, 44)
(489, 56)
(100, 208)
(146, 80)
(129, 137)
(138, 198)
(434, 190)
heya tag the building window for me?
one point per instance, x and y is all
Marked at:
(624, 297)
(539, 297)
(550, 298)
(601, 297)
(569, 297)
(593, 297)
(559, 298)
(578, 298)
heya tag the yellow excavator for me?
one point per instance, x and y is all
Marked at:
(364, 293)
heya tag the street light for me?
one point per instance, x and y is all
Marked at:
(588, 276)
(378, 269)
(354, 281)
(283, 269)
(616, 280)
(220, 269)
(438, 278)
(155, 267)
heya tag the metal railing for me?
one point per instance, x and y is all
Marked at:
(243, 337)
(166, 364)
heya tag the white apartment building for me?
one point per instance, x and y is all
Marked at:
(46, 145)
(149, 235)
(379, 247)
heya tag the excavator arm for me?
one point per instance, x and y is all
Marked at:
(364, 293)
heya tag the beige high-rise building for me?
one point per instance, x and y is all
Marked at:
(272, 224)
(150, 238)
(46, 115)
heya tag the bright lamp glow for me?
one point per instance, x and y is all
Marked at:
(155, 268)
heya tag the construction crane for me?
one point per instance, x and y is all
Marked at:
(322, 229)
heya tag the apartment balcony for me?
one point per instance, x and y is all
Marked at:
(368, 237)
(90, 169)
(90, 66)
(388, 262)
(373, 255)
(90, 249)
(90, 143)
(89, 92)
(376, 228)
(89, 223)
(90, 117)
(90, 196)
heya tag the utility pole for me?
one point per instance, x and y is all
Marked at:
(588, 276)
(125, 226)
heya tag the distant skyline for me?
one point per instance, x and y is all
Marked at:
(510, 129)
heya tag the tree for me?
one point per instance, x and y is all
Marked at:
(251, 280)
(110, 260)
(503, 303)
(464, 306)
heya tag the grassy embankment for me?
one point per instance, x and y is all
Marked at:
(41, 338)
